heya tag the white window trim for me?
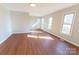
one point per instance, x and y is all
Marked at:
(72, 22)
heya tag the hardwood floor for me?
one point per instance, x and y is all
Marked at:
(36, 43)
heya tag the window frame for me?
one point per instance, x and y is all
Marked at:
(72, 25)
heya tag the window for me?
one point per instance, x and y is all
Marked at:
(42, 23)
(50, 23)
(68, 19)
(36, 23)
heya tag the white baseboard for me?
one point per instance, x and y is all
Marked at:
(5, 38)
(19, 32)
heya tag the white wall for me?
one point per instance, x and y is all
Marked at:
(58, 21)
(5, 24)
(22, 22)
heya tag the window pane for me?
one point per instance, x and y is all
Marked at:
(50, 23)
(68, 19)
(66, 29)
(42, 23)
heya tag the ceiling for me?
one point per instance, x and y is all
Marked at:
(40, 10)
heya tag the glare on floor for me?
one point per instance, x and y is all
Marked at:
(40, 37)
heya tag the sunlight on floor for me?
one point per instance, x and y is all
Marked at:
(40, 37)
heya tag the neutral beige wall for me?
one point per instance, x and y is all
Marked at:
(22, 22)
(5, 24)
(58, 21)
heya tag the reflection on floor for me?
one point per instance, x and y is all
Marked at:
(36, 42)
(39, 36)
